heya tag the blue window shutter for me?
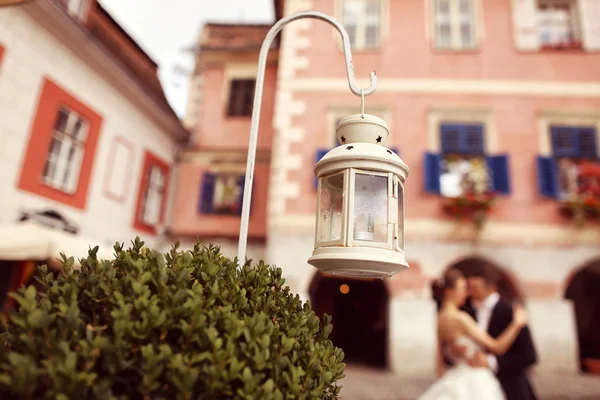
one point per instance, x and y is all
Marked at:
(565, 141)
(320, 154)
(472, 139)
(499, 173)
(462, 139)
(432, 173)
(450, 138)
(587, 142)
(547, 177)
(207, 193)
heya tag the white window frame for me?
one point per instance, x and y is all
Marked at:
(439, 115)
(454, 19)
(62, 169)
(574, 26)
(362, 22)
(154, 196)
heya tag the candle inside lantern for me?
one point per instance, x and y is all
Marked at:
(370, 208)
(364, 228)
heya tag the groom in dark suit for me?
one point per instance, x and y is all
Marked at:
(493, 315)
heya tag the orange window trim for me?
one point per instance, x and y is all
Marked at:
(51, 98)
(1, 52)
(151, 160)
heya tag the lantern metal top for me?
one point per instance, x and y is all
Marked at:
(362, 138)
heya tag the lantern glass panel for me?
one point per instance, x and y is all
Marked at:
(371, 208)
(331, 209)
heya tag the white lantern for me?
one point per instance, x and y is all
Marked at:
(360, 210)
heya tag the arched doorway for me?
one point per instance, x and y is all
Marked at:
(584, 291)
(506, 284)
(359, 310)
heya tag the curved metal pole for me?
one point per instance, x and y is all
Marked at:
(260, 77)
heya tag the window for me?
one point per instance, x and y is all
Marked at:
(454, 22)
(463, 167)
(558, 24)
(559, 175)
(117, 179)
(67, 148)
(61, 149)
(222, 193)
(241, 97)
(362, 21)
(152, 194)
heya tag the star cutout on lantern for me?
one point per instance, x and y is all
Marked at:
(379, 139)
(389, 151)
(349, 147)
(343, 139)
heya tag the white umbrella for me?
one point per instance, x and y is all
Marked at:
(31, 241)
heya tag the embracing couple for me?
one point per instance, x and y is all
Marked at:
(485, 342)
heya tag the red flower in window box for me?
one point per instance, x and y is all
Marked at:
(470, 206)
(585, 205)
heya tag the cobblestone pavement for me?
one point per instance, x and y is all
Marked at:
(366, 384)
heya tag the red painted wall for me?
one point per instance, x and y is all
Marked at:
(407, 51)
(216, 130)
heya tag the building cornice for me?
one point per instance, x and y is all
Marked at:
(83, 44)
(221, 157)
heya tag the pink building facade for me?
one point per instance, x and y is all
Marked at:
(497, 98)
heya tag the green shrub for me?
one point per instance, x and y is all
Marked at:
(186, 325)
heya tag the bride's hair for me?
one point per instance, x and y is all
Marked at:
(447, 281)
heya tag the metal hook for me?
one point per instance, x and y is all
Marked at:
(345, 42)
(260, 78)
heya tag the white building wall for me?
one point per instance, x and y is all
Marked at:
(32, 53)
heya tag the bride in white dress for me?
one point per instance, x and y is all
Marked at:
(463, 382)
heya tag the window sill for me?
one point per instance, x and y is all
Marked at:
(367, 50)
(59, 190)
(143, 227)
(575, 47)
(237, 117)
(222, 214)
(466, 50)
(362, 50)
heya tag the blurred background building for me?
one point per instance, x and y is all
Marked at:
(87, 138)
(487, 101)
(495, 106)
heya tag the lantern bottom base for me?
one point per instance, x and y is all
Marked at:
(366, 263)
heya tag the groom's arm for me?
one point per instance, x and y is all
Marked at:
(520, 356)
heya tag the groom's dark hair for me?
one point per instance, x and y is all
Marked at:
(484, 273)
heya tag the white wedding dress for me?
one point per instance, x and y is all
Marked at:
(463, 382)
